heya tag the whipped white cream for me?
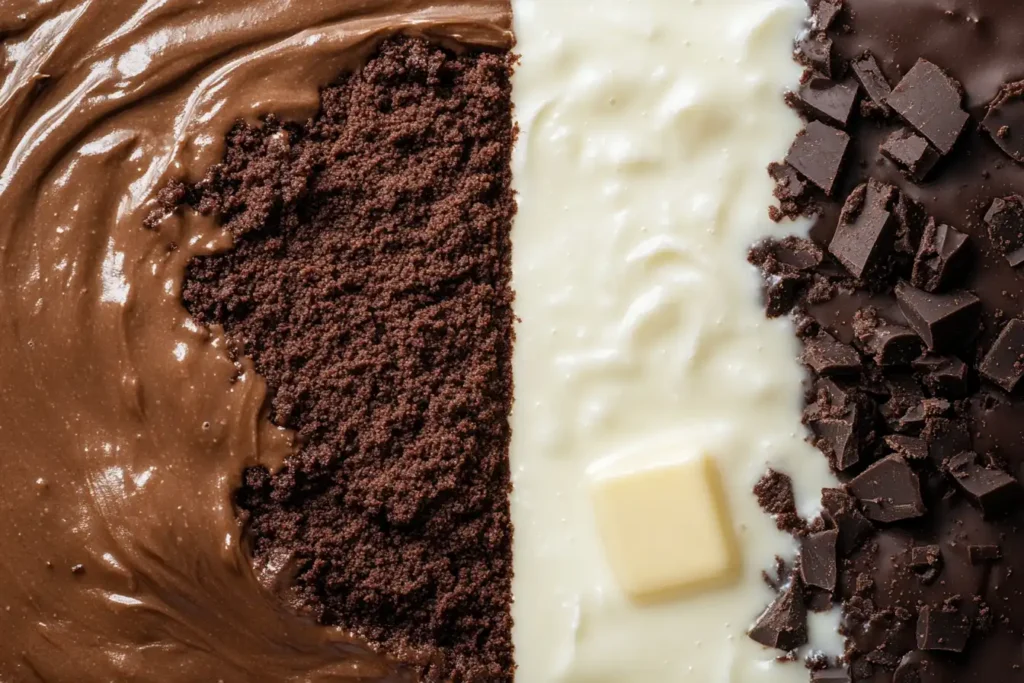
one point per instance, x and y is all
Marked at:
(646, 128)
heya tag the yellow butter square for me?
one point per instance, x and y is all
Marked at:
(666, 530)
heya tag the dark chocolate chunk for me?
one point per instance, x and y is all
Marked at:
(1005, 220)
(783, 625)
(942, 255)
(814, 51)
(983, 554)
(943, 321)
(818, 152)
(831, 676)
(911, 153)
(827, 100)
(827, 356)
(841, 510)
(1004, 362)
(825, 13)
(930, 101)
(943, 375)
(926, 561)
(870, 75)
(1005, 120)
(889, 491)
(946, 437)
(818, 559)
(838, 439)
(942, 628)
(866, 234)
(890, 345)
(989, 488)
(914, 668)
(909, 447)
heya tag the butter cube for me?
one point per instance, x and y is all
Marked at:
(666, 530)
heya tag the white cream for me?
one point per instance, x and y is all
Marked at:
(646, 129)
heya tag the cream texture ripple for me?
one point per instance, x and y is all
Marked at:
(646, 130)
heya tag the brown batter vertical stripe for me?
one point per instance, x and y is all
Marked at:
(370, 283)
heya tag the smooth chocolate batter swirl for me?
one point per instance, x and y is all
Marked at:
(124, 426)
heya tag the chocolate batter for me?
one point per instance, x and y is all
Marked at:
(369, 282)
(125, 426)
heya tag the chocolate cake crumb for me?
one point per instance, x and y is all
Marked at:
(370, 284)
(775, 496)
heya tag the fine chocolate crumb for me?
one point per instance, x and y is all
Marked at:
(775, 496)
(370, 284)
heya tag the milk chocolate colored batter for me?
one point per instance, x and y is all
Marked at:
(124, 426)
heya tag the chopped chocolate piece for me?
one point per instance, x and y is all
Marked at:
(814, 51)
(791, 190)
(1005, 120)
(942, 628)
(853, 527)
(837, 438)
(825, 12)
(989, 488)
(982, 554)
(866, 234)
(827, 356)
(930, 101)
(944, 321)
(1005, 220)
(781, 293)
(913, 668)
(825, 99)
(946, 438)
(926, 561)
(818, 152)
(802, 254)
(774, 493)
(942, 254)
(831, 676)
(890, 345)
(911, 153)
(889, 491)
(909, 447)
(943, 375)
(1004, 362)
(818, 559)
(783, 625)
(870, 75)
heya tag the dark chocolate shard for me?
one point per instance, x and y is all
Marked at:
(914, 667)
(910, 447)
(943, 375)
(946, 437)
(926, 561)
(889, 344)
(1005, 221)
(825, 13)
(1005, 120)
(831, 676)
(814, 51)
(871, 78)
(889, 491)
(853, 527)
(944, 321)
(818, 153)
(930, 100)
(983, 554)
(826, 100)
(911, 153)
(783, 624)
(942, 628)
(818, 559)
(989, 488)
(827, 356)
(1004, 362)
(838, 439)
(866, 235)
(941, 256)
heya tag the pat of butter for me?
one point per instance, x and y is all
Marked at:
(666, 530)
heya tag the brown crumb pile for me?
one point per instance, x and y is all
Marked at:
(370, 283)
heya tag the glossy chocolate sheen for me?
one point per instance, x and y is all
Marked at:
(124, 426)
